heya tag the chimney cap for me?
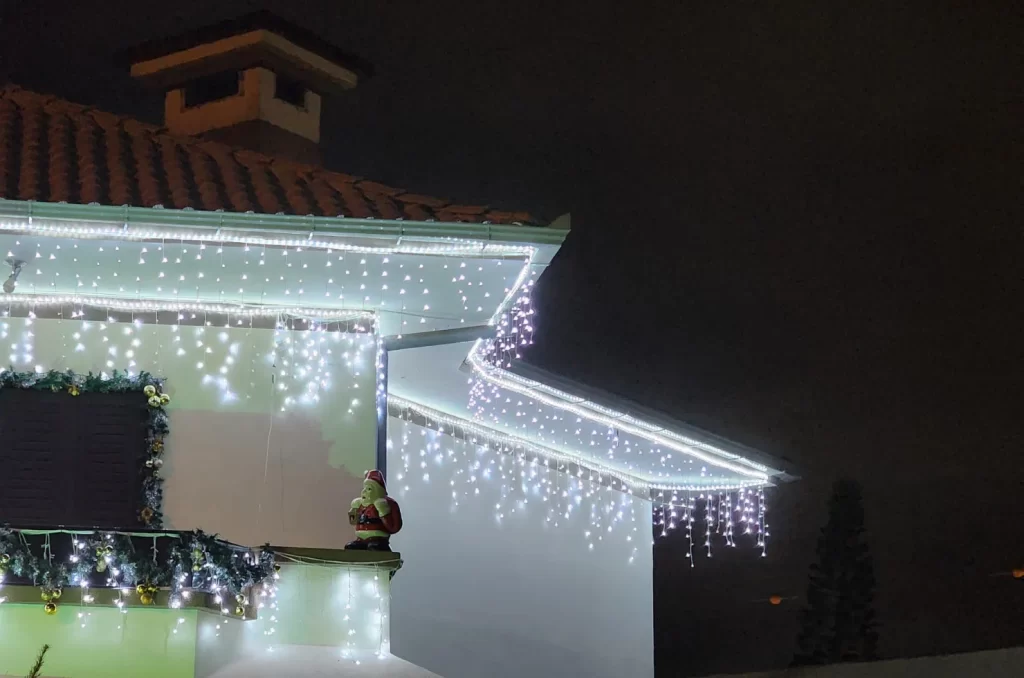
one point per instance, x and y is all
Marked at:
(154, 50)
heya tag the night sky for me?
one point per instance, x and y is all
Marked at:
(798, 227)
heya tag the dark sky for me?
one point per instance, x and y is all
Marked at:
(796, 225)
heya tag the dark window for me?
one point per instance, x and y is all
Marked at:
(67, 460)
(212, 88)
(292, 91)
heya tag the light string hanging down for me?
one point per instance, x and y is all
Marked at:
(314, 240)
(511, 484)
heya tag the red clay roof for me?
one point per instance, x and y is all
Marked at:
(52, 150)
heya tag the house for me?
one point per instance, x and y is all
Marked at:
(209, 333)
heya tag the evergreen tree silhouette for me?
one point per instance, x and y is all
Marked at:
(838, 624)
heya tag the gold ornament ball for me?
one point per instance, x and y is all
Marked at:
(239, 611)
(50, 608)
(46, 596)
(140, 589)
(56, 594)
(5, 558)
(150, 391)
(146, 599)
(240, 599)
(164, 398)
(155, 401)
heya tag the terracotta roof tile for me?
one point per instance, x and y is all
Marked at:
(54, 150)
(8, 116)
(231, 174)
(416, 212)
(205, 181)
(141, 151)
(295, 190)
(326, 198)
(120, 177)
(58, 131)
(373, 189)
(421, 200)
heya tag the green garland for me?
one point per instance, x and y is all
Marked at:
(150, 514)
(194, 561)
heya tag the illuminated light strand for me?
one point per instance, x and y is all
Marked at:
(697, 449)
(125, 231)
(512, 318)
(729, 537)
(690, 510)
(318, 353)
(516, 484)
(156, 305)
(717, 518)
(373, 637)
(708, 511)
(541, 426)
(762, 526)
(114, 280)
(628, 481)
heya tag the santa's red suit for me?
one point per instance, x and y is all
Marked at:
(369, 518)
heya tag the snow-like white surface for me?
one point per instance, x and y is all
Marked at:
(307, 661)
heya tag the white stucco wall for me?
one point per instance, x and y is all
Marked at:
(235, 464)
(529, 594)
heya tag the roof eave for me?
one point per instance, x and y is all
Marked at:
(202, 219)
(780, 470)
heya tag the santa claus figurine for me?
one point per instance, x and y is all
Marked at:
(376, 516)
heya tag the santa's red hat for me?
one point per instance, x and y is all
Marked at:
(377, 477)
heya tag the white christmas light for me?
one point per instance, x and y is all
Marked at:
(154, 306)
(340, 243)
(754, 473)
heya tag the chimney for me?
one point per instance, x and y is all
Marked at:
(256, 82)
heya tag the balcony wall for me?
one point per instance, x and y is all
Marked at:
(332, 611)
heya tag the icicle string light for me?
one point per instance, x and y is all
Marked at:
(486, 392)
(481, 474)
(34, 301)
(313, 240)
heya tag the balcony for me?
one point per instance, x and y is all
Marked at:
(184, 604)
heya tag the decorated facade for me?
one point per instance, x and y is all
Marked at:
(226, 364)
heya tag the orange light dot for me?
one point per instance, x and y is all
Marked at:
(1018, 573)
(775, 600)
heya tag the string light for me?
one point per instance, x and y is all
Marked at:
(307, 357)
(155, 306)
(231, 271)
(511, 483)
(540, 394)
(356, 602)
(124, 230)
(112, 262)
